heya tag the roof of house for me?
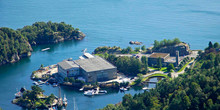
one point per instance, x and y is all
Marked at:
(94, 64)
(157, 55)
(67, 64)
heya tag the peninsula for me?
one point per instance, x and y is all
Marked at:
(198, 88)
(16, 44)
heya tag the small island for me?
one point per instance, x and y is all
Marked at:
(16, 44)
(34, 98)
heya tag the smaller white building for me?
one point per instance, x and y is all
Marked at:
(68, 68)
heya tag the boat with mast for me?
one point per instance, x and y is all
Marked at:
(60, 101)
(74, 104)
(64, 100)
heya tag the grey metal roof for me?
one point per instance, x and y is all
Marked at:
(157, 55)
(94, 64)
(67, 64)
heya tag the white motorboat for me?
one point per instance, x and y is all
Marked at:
(89, 93)
(102, 92)
(145, 88)
(55, 85)
(35, 83)
(40, 82)
(81, 89)
(123, 89)
(45, 49)
(18, 94)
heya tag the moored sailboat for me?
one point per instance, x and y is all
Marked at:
(65, 100)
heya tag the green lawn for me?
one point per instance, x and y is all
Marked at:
(164, 69)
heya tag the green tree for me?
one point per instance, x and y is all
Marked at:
(176, 41)
(41, 66)
(109, 107)
(156, 44)
(50, 99)
(159, 63)
(128, 49)
(144, 60)
(137, 49)
(170, 67)
(210, 45)
(186, 102)
(66, 79)
(72, 80)
(37, 90)
(143, 48)
(216, 45)
(169, 75)
(217, 60)
(127, 100)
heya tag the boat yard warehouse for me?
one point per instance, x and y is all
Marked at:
(91, 68)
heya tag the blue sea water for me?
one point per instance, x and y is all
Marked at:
(106, 23)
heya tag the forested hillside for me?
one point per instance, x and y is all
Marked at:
(15, 44)
(197, 89)
(41, 32)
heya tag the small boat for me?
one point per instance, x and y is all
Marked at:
(18, 94)
(81, 89)
(47, 83)
(146, 88)
(65, 100)
(55, 85)
(45, 49)
(123, 89)
(89, 93)
(40, 82)
(102, 92)
(128, 87)
(35, 83)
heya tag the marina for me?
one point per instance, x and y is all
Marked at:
(115, 23)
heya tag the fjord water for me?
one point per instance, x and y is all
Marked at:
(106, 23)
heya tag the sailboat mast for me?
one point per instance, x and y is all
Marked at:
(74, 103)
(59, 92)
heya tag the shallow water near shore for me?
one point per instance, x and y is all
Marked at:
(106, 23)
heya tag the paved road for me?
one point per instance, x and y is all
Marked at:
(176, 74)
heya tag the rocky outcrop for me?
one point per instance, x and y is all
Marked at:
(135, 42)
(183, 49)
(16, 57)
